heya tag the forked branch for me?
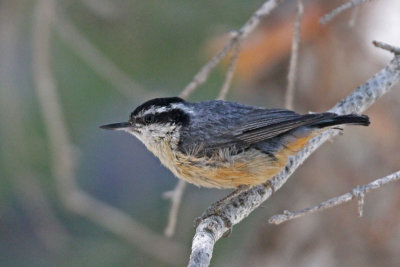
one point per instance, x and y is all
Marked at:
(358, 193)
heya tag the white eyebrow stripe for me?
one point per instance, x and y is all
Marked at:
(182, 107)
(154, 110)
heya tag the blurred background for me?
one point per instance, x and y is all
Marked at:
(74, 195)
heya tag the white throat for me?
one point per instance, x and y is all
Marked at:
(155, 135)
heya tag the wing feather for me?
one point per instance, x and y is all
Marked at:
(263, 129)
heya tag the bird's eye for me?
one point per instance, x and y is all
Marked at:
(149, 118)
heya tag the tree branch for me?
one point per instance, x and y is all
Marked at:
(358, 192)
(211, 229)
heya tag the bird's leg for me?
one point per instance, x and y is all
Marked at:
(215, 209)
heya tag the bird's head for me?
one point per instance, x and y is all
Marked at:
(156, 120)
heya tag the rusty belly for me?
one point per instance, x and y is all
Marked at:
(248, 168)
(252, 167)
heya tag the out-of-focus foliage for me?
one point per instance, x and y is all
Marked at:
(160, 45)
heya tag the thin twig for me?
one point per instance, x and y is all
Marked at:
(237, 36)
(388, 47)
(328, 17)
(176, 199)
(358, 192)
(212, 228)
(63, 165)
(292, 74)
(230, 71)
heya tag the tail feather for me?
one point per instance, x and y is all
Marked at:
(343, 119)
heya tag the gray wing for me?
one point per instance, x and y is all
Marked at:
(267, 125)
(222, 124)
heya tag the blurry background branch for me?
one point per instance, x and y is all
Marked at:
(354, 16)
(236, 37)
(103, 8)
(230, 71)
(358, 192)
(100, 63)
(239, 207)
(353, 3)
(31, 195)
(292, 73)
(62, 151)
(175, 196)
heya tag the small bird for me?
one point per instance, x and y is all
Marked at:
(223, 144)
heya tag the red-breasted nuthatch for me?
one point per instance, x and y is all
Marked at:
(225, 144)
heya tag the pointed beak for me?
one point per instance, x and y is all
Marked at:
(116, 126)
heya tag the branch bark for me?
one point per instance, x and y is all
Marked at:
(211, 229)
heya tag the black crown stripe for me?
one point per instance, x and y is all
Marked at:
(157, 102)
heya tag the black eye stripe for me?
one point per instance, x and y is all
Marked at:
(149, 118)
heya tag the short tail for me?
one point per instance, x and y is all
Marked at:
(333, 120)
